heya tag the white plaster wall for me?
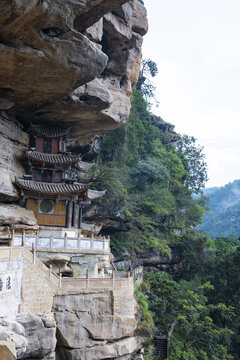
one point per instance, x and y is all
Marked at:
(10, 299)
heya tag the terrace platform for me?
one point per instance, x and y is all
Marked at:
(53, 241)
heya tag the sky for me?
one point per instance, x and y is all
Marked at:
(196, 45)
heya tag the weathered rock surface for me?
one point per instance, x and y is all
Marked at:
(70, 61)
(14, 214)
(88, 329)
(41, 339)
(109, 351)
(13, 144)
(59, 263)
(34, 336)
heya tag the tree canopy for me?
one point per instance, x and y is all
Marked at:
(150, 174)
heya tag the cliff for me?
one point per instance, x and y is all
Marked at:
(65, 63)
(71, 64)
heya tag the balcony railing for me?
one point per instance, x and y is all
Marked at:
(62, 243)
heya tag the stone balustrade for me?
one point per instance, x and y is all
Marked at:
(93, 244)
(39, 284)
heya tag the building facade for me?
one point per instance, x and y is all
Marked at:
(51, 188)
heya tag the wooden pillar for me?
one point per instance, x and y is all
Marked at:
(80, 217)
(76, 215)
(69, 214)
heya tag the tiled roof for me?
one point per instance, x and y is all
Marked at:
(84, 166)
(59, 189)
(50, 132)
(60, 159)
(52, 188)
(93, 194)
(51, 158)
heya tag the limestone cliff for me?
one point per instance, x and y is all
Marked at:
(70, 63)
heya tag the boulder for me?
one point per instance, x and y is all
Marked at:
(59, 263)
(14, 214)
(109, 351)
(41, 339)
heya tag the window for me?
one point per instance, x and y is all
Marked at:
(47, 176)
(62, 146)
(57, 177)
(37, 175)
(46, 206)
(47, 145)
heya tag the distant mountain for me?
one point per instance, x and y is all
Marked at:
(223, 219)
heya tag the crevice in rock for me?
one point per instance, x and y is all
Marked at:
(51, 32)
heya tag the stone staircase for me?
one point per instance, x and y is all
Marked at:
(161, 347)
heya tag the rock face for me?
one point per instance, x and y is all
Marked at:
(13, 143)
(87, 328)
(14, 214)
(34, 336)
(64, 63)
(70, 61)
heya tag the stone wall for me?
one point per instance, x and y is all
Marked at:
(94, 317)
(37, 289)
(11, 264)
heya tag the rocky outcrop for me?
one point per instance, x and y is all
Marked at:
(65, 63)
(70, 61)
(14, 214)
(34, 336)
(13, 144)
(68, 64)
(88, 329)
(14, 217)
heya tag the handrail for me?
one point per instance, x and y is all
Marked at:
(58, 242)
(69, 284)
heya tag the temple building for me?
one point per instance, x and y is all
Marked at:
(51, 188)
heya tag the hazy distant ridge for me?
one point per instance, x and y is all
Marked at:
(223, 219)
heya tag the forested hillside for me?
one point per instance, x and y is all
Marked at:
(190, 292)
(223, 218)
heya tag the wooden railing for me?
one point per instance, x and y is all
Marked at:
(62, 243)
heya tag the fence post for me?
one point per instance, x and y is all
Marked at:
(50, 272)
(113, 281)
(60, 281)
(51, 241)
(12, 235)
(10, 252)
(128, 276)
(65, 241)
(34, 253)
(23, 235)
(87, 279)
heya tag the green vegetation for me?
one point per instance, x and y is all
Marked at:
(150, 174)
(147, 179)
(223, 217)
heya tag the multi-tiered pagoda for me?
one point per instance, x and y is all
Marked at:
(51, 188)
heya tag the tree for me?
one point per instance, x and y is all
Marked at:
(148, 70)
(196, 336)
(182, 310)
(195, 163)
